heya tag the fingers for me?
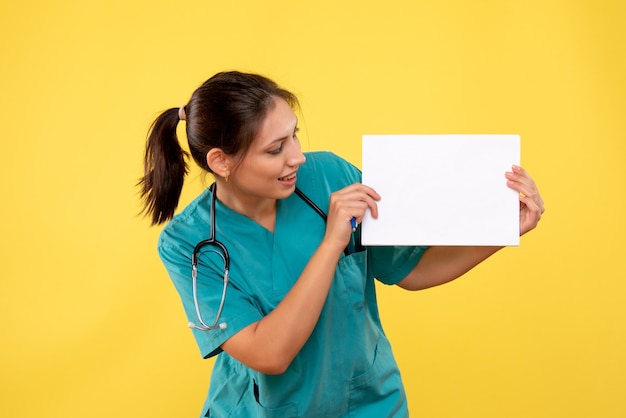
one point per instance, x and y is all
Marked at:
(355, 200)
(520, 181)
(530, 214)
(350, 202)
(531, 202)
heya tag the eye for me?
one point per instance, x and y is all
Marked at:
(276, 151)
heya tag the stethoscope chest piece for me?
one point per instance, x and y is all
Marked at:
(220, 249)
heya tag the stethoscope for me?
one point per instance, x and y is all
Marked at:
(222, 251)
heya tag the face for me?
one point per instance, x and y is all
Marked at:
(269, 168)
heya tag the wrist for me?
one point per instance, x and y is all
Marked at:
(331, 249)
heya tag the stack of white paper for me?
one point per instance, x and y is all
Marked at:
(441, 189)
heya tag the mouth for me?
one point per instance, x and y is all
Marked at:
(288, 177)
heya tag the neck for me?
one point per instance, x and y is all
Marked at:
(261, 210)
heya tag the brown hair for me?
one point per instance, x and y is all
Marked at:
(225, 112)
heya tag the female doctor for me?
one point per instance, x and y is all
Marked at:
(271, 272)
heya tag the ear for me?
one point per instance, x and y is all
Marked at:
(218, 162)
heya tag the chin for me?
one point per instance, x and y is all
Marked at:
(285, 192)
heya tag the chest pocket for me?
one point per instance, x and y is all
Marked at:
(351, 280)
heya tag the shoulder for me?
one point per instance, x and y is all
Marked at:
(187, 227)
(326, 160)
(330, 168)
(324, 173)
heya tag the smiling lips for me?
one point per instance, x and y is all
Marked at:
(289, 177)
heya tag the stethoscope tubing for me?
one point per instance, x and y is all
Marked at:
(212, 241)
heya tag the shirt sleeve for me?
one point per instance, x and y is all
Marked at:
(392, 264)
(239, 310)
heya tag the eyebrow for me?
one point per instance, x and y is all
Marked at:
(284, 137)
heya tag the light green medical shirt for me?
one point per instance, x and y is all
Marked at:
(346, 368)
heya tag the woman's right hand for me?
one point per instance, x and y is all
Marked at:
(270, 344)
(350, 202)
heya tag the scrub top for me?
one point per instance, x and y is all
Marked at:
(346, 368)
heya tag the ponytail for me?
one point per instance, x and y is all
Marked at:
(164, 169)
(225, 112)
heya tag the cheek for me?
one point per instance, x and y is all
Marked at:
(261, 171)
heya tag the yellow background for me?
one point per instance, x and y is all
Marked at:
(89, 322)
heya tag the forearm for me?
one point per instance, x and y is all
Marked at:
(441, 265)
(270, 344)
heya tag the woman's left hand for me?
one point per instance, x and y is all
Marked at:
(531, 202)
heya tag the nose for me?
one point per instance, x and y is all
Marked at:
(296, 157)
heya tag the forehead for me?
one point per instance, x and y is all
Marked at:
(279, 122)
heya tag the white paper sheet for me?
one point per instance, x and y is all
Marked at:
(441, 189)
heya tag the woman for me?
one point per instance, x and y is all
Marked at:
(286, 297)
